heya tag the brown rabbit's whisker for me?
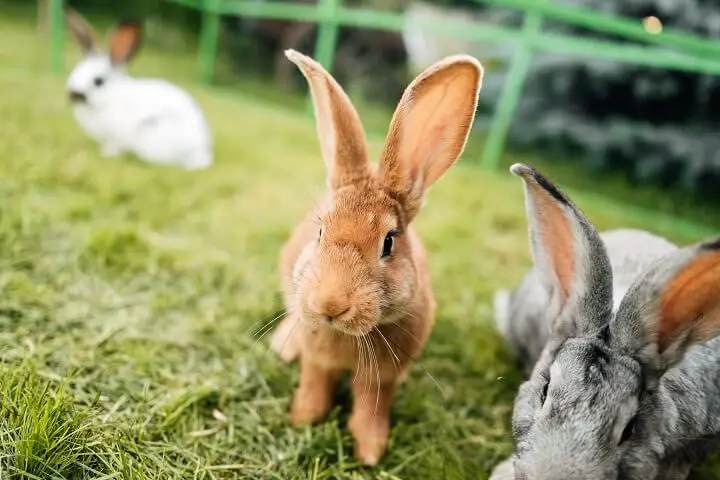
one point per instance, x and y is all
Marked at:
(267, 326)
(393, 355)
(359, 356)
(292, 330)
(422, 367)
(366, 367)
(406, 331)
(377, 372)
(371, 364)
(312, 269)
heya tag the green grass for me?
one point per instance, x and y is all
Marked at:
(132, 297)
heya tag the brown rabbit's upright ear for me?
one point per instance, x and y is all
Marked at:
(429, 128)
(125, 41)
(570, 258)
(341, 134)
(673, 306)
(81, 29)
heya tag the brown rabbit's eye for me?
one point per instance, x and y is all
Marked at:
(320, 234)
(388, 243)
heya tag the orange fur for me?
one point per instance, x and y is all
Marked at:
(557, 235)
(349, 307)
(125, 42)
(552, 224)
(691, 301)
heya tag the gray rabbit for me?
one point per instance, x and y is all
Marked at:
(618, 335)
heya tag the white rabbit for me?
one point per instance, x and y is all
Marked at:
(151, 118)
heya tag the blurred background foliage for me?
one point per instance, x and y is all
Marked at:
(653, 127)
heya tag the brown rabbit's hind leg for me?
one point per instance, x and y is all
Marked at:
(370, 419)
(313, 398)
(285, 339)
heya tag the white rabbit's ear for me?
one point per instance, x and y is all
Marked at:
(430, 127)
(569, 256)
(340, 132)
(673, 306)
(81, 29)
(125, 41)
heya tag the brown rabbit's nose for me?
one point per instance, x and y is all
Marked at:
(331, 307)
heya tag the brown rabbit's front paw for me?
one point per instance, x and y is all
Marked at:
(284, 342)
(371, 438)
(308, 408)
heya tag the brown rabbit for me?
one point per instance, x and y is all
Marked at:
(354, 272)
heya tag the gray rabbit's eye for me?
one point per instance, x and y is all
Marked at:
(543, 395)
(629, 431)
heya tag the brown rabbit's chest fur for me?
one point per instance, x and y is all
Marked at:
(389, 349)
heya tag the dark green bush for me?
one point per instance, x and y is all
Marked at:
(657, 125)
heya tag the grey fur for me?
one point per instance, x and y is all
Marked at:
(599, 352)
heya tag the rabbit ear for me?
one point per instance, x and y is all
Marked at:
(81, 29)
(125, 41)
(569, 256)
(674, 305)
(341, 134)
(430, 127)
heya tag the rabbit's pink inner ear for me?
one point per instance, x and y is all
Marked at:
(431, 124)
(690, 304)
(554, 234)
(125, 42)
(340, 131)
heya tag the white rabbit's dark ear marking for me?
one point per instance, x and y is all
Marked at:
(430, 128)
(339, 129)
(125, 41)
(569, 255)
(674, 305)
(81, 29)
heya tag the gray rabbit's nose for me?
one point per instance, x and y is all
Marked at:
(77, 97)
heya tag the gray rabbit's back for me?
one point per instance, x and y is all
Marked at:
(520, 313)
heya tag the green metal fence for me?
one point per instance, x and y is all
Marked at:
(669, 49)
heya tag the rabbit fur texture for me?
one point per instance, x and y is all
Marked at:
(618, 334)
(355, 273)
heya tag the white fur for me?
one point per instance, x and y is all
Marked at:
(501, 307)
(151, 118)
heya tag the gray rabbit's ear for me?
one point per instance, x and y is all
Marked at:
(569, 255)
(674, 305)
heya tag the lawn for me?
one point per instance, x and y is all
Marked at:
(133, 299)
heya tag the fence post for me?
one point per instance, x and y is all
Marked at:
(510, 96)
(57, 36)
(209, 33)
(326, 38)
(327, 33)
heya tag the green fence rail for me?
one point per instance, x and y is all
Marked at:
(670, 49)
